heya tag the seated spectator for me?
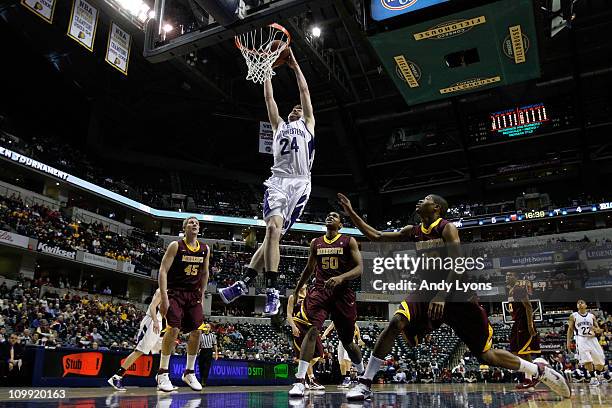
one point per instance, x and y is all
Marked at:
(11, 355)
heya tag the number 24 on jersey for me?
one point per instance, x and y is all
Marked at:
(285, 149)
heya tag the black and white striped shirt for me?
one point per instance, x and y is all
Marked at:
(208, 340)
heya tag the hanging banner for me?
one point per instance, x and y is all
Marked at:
(83, 23)
(265, 137)
(42, 8)
(118, 48)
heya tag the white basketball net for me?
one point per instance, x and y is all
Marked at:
(255, 48)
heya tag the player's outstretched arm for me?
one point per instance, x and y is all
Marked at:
(308, 269)
(529, 312)
(205, 275)
(570, 332)
(162, 278)
(370, 232)
(153, 310)
(304, 92)
(290, 303)
(273, 115)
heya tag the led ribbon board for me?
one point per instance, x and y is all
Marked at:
(519, 121)
(35, 165)
(384, 9)
(533, 215)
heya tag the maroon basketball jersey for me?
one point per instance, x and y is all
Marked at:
(188, 267)
(517, 295)
(333, 257)
(432, 235)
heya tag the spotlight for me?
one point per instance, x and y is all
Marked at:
(152, 14)
(167, 28)
(316, 31)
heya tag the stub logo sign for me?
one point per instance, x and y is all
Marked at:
(82, 364)
(141, 367)
(53, 250)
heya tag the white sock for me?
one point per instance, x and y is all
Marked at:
(302, 369)
(373, 366)
(164, 361)
(191, 361)
(528, 368)
(359, 367)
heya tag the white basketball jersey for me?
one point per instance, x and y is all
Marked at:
(293, 149)
(583, 325)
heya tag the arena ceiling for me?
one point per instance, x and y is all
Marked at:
(209, 113)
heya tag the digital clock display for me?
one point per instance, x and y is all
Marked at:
(519, 121)
(535, 214)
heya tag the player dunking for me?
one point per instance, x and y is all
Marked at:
(287, 191)
(183, 276)
(335, 259)
(299, 327)
(416, 318)
(583, 325)
(524, 338)
(149, 341)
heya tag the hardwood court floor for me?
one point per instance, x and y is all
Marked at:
(418, 396)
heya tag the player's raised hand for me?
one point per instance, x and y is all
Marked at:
(345, 202)
(291, 62)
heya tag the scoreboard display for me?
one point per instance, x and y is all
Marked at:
(520, 121)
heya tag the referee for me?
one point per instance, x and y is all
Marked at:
(207, 342)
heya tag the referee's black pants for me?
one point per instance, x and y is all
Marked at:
(204, 363)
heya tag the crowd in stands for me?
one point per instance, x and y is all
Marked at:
(153, 187)
(70, 320)
(88, 322)
(51, 227)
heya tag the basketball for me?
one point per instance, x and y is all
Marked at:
(284, 54)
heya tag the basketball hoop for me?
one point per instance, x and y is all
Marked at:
(256, 48)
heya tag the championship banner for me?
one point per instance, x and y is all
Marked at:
(83, 23)
(14, 239)
(265, 137)
(42, 8)
(118, 48)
